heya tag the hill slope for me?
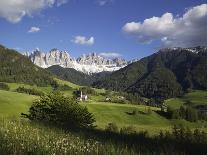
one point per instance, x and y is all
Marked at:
(162, 75)
(74, 76)
(15, 67)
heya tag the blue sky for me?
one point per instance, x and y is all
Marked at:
(103, 26)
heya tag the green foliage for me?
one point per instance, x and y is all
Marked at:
(59, 110)
(160, 84)
(85, 91)
(112, 127)
(63, 87)
(134, 112)
(88, 90)
(74, 76)
(29, 138)
(148, 111)
(161, 75)
(128, 130)
(15, 67)
(133, 98)
(4, 86)
(23, 138)
(187, 113)
(31, 91)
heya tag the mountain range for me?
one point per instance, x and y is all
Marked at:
(88, 64)
(167, 73)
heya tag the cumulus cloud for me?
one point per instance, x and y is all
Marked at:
(110, 54)
(34, 29)
(14, 10)
(82, 40)
(190, 29)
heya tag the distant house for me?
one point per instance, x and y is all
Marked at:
(120, 97)
(82, 97)
(108, 99)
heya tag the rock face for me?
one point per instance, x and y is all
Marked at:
(89, 64)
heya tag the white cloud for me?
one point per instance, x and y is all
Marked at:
(34, 30)
(110, 54)
(14, 10)
(104, 2)
(61, 2)
(190, 29)
(82, 40)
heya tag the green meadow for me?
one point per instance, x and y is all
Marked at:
(19, 136)
(194, 98)
(12, 104)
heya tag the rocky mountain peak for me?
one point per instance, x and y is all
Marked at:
(87, 63)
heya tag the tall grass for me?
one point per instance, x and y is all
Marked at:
(26, 138)
(19, 138)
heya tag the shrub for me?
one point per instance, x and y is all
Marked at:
(112, 127)
(128, 130)
(4, 86)
(134, 112)
(149, 111)
(88, 90)
(119, 100)
(31, 91)
(59, 110)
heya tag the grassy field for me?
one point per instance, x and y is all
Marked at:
(197, 97)
(12, 104)
(23, 137)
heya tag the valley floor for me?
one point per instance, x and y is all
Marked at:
(18, 136)
(13, 104)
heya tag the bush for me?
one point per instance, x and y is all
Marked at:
(128, 130)
(30, 91)
(112, 127)
(4, 86)
(59, 110)
(134, 112)
(119, 100)
(88, 90)
(148, 111)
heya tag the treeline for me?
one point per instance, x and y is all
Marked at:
(62, 87)
(4, 86)
(85, 91)
(187, 113)
(30, 91)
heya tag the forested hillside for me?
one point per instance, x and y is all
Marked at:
(75, 76)
(162, 75)
(15, 67)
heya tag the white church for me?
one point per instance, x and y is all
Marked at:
(82, 97)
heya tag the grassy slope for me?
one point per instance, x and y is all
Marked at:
(197, 97)
(12, 104)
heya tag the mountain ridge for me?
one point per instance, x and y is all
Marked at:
(15, 67)
(89, 64)
(164, 74)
